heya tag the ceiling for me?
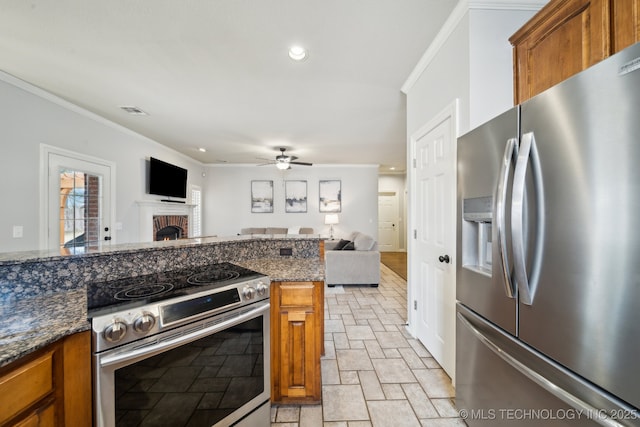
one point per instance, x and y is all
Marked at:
(215, 74)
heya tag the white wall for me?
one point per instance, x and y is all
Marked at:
(30, 117)
(445, 79)
(398, 184)
(227, 199)
(491, 62)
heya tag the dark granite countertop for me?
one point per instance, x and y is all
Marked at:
(28, 324)
(10, 258)
(288, 269)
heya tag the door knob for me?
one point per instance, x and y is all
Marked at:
(444, 258)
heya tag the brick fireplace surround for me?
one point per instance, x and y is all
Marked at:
(179, 221)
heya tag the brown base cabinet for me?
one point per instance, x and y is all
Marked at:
(51, 387)
(297, 336)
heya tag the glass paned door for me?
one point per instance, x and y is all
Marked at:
(79, 204)
(80, 210)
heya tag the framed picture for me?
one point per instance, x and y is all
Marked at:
(295, 196)
(262, 196)
(330, 196)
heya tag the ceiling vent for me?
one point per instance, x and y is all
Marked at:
(134, 110)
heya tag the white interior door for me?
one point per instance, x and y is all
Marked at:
(432, 262)
(78, 200)
(388, 211)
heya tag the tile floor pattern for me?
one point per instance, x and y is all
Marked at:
(374, 374)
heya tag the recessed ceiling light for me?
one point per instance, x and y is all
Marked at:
(134, 110)
(297, 53)
(202, 150)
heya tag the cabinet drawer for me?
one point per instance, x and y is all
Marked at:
(25, 385)
(296, 294)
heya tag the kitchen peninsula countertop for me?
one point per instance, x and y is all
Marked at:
(32, 322)
(287, 269)
(28, 324)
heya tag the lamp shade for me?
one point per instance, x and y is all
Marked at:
(331, 219)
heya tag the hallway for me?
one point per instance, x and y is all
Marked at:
(374, 373)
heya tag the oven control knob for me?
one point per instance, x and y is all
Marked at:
(144, 322)
(249, 292)
(115, 331)
(262, 289)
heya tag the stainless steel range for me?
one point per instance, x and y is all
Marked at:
(182, 348)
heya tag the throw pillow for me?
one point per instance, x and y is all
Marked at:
(349, 247)
(341, 244)
(293, 230)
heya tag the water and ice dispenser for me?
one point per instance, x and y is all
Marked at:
(477, 215)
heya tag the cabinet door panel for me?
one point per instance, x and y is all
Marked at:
(298, 344)
(564, 38)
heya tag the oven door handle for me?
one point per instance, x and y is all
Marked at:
(126, 356)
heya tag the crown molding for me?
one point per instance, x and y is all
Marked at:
(452, 23)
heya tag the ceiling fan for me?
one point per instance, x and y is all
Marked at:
(284, 162)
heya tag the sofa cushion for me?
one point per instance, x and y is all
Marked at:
(306, 230)
(276, 230)
(293, 230)
(253, 230)
(362, 242)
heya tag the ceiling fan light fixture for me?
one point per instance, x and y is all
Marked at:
(282, 165)
(297, 53)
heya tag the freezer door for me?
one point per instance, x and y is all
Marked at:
(501, 382)
(584, 306)
(485, 161)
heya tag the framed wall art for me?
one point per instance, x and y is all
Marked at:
(295, 196)
(261, 196)
(330, 196)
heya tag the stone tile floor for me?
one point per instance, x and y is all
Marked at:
(373, 372)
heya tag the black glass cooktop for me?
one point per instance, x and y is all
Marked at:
(141, 290)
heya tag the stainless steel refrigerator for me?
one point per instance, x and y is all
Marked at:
(548, 256)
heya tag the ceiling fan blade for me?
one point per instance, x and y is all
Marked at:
(266, 164)
(301, 163)
(292, 158)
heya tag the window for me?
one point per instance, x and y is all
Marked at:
(196, 199)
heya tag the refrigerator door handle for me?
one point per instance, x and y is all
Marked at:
(527, 285)
(510, 152)
(562, 394)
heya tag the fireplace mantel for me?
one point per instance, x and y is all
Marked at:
(151, 208)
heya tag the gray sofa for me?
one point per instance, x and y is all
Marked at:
(275, 230)
(359, 266)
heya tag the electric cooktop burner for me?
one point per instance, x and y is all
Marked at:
(127, 293)
(212, 276)
(143, 291)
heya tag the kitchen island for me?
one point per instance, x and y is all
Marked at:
(43, 293)
(44, 299)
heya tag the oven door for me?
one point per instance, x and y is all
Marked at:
(207, 373)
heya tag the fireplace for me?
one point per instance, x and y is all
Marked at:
(170, 227)
(155, 215)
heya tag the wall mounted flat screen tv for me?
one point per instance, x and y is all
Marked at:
(166, 179)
